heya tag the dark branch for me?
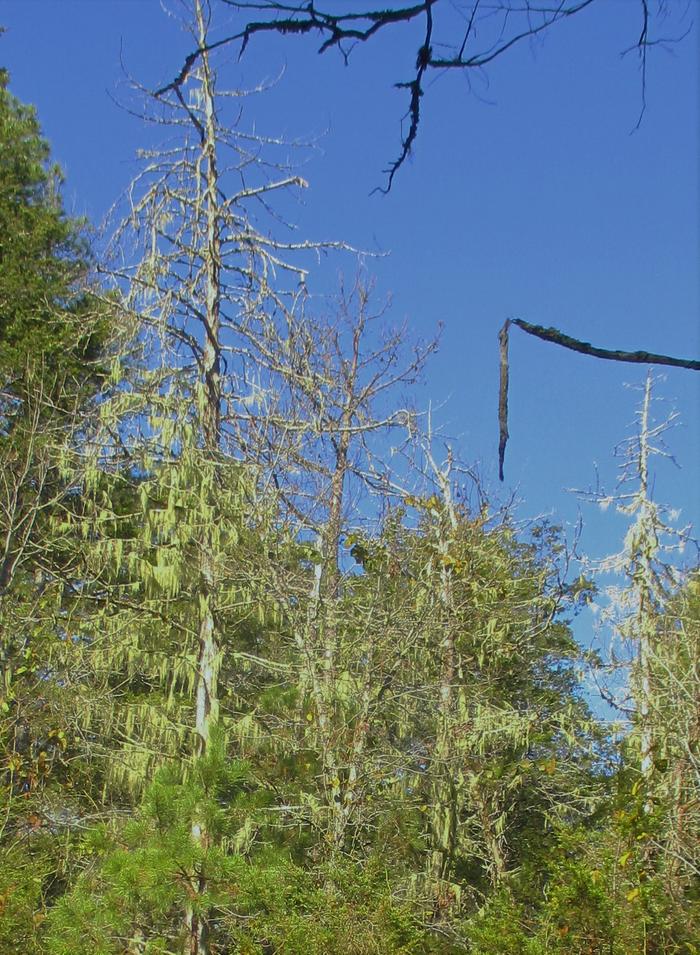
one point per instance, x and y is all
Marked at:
(423, 61)
(497, 27)
(503, 398)
(361, 25)
(565, 341)
(483, 59)
(191, 61)
(585, 348)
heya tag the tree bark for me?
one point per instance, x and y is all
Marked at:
(209, 654)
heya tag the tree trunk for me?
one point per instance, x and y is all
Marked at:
(208, 660)
(443, 821)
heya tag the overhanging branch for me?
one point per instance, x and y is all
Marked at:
(585, 348)
(492, 30)
(573, 344)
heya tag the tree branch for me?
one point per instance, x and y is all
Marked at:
(358, 26)
(585, 348)
(573, 344)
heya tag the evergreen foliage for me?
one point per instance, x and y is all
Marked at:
(52, 335)
(44, 298)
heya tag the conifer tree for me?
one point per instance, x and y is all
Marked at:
(637, 608)
(52, 333)
(173, 565)
(50, 336)
(496, 711)
(653, 661)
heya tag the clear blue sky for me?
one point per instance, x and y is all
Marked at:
(532, 199)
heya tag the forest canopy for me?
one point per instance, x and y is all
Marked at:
(280, 673)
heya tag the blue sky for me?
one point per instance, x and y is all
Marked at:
(528, 195)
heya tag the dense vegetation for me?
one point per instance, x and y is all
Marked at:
(277, 676)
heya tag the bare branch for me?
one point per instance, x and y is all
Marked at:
(585, 348)
(573, 344)
(490, 31)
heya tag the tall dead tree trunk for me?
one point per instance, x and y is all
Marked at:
(646, 612)
(208, 659)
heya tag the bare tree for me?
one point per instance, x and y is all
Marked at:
(330, 402)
